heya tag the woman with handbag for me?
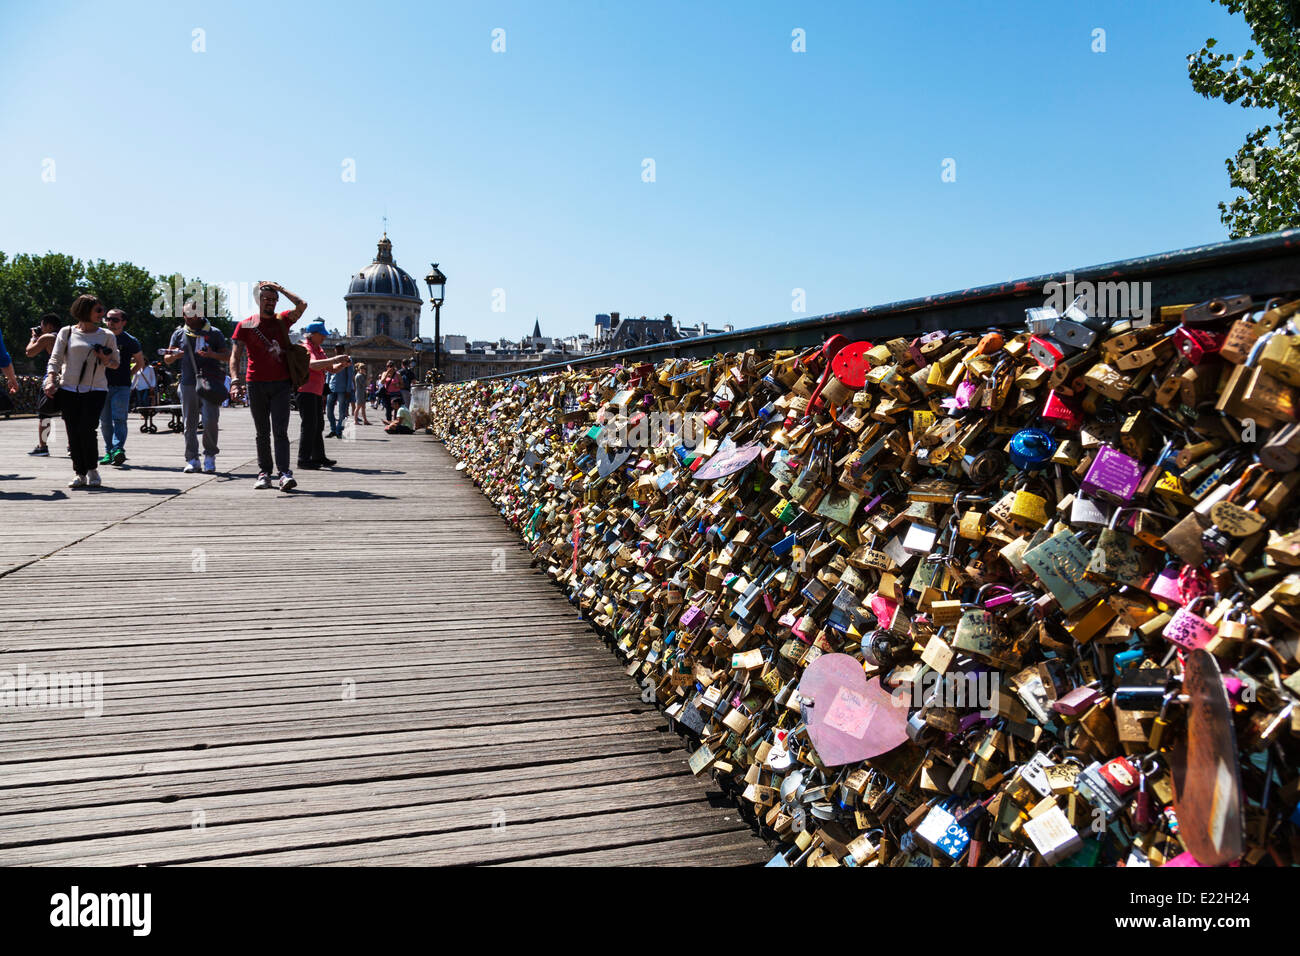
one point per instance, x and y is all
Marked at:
(203, 382)
(76, 375)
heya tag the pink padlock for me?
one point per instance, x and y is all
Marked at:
(1165, 586)
(1188, 629)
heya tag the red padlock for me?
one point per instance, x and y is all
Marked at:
(1045, 352)
(1196, 345)
(846, 371)
(1060, 412)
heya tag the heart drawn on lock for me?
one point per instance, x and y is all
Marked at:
(729, 461)
(850, 718)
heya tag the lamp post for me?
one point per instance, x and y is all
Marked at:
(436, 282)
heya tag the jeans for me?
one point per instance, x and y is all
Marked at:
(112, 420)
(339, 401)
(268, 402)
(311, 441)
(190, 403)
(81, 412)
(386, 399)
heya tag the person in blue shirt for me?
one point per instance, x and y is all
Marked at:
(342, 394)
(7, 366)
(112, 421)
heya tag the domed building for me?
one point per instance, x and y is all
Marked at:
(383, 299)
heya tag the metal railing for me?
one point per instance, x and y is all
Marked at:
(1263, 265)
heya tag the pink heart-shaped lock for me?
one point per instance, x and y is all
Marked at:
(850, 718)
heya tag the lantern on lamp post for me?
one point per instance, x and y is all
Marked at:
(436, 282)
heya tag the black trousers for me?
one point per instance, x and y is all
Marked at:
(268, 402)
(311, 442)
(81, 411)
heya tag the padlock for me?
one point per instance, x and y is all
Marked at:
(1197, 345)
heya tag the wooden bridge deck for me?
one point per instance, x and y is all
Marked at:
(331, 676)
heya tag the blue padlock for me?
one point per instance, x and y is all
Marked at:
(1031, 448)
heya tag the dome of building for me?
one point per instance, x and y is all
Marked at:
(384, 277)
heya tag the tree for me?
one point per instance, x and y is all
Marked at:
(1267, 167)
(31, 285)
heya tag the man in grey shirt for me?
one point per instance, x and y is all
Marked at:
(199, 346)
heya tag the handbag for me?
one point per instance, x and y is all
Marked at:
(208, 391)
(296, 359)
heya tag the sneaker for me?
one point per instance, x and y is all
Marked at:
(209, 465)
(92, 478)
(263, 481)
(108, 458)
(41, 451)
(327, 462)
(191, 466)
(119, 457)
(286, 481)
(78, 482)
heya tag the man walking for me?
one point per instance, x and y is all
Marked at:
(202, 352)
(342, 393)
(263, 340)
(112, 420)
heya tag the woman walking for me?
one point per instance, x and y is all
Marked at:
(83, 352)
(359, 416)
(390, 390)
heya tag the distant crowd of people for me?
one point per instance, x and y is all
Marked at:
(96, 373)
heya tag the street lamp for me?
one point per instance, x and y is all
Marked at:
(436, 282)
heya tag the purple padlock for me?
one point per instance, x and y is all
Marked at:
(1113, 476)
(692, 617)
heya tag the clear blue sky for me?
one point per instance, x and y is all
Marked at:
(522, 170)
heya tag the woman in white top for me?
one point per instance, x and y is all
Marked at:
(143, 384)
(81, 354)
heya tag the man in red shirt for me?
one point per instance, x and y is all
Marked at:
(264, 340)
(311, 399)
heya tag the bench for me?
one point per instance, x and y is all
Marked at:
(147, 413)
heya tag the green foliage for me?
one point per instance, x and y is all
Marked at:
(31, 285)
(1267, 167)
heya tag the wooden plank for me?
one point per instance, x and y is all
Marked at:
(477, 691)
